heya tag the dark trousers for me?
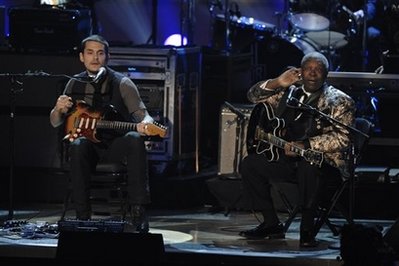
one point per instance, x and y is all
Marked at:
(258, 175)
(129, 149)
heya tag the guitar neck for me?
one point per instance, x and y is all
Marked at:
(105, 124)
(276, 141)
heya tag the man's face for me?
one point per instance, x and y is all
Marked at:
(313, 75)
(93, 56)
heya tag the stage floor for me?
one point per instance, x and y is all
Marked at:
(197, 236)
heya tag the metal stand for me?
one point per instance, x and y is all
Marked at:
(239, 141)
(14, 90)
(364, 37)
(154, 21)
(354, 133)
(228, 45)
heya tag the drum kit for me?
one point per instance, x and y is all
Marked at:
(277, 49)
(314, 28)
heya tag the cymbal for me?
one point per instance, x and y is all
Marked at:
(309, 22)
(327, 39)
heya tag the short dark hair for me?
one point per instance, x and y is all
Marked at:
(95, 38)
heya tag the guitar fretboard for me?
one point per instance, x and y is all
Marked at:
(104, 124)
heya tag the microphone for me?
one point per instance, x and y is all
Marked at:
(101, 72)
(349, 12)
(292, 101)
(235, 110)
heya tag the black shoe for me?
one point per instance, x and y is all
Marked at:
(264, 231)
(307, 240)
(139, 219)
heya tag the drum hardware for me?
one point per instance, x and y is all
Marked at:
(244, 32)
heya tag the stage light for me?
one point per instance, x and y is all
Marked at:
(175, 40)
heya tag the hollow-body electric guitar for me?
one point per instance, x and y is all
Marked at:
(96, 124)
(264, 136)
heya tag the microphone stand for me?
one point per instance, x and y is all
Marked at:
(14, 90)
(241, 118)
(16, 87)
(351, 154)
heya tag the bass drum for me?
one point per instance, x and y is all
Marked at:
(278, 53)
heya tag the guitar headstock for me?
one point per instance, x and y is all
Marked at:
(155, 129)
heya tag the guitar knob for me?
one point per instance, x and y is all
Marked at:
(78, 130)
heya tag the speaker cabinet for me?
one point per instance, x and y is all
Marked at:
(42, 29)
(224, 78)
(107, 247)
(35, 141)
(233, 123)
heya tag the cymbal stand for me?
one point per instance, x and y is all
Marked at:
(364, 37)
(228, 45)
(154, 20)
(284, 18)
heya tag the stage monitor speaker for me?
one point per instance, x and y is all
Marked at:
(232, 145)
(110, 248)
(106, 247)
(391, 63)
(391, 237)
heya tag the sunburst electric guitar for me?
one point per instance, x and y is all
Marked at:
(85, 121)
(264, 136)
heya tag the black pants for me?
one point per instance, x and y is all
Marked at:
(84, 155)
(258, 175)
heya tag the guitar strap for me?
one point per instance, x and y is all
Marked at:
(282, 104)
(284, 112)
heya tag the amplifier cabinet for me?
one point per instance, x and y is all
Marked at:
(232, 137)
(169, 83)
(48, 29)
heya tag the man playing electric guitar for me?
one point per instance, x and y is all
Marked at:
(104, 87)
(302, 130)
